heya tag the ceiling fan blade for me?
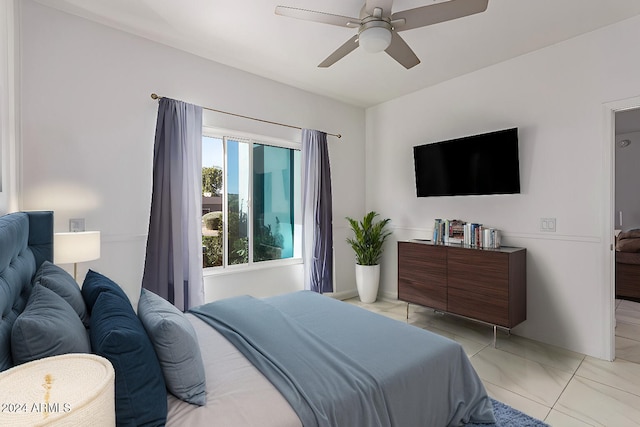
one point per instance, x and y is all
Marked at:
(348, 47)
(401, 52)
(385, 5)
(312, 15)
(439, 12)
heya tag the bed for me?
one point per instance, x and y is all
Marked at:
(299, 359)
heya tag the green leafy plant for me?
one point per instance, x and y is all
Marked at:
(369, 238)
(212, 220)
(212, 180)
(212, 251)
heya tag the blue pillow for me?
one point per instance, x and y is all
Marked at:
(59, 281)
(94, 284)
(117, 334)
(176, 345)
(48, 326)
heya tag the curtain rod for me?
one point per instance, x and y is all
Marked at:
(337, 135)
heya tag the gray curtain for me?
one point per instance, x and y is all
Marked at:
(173, 263)
(317, 214)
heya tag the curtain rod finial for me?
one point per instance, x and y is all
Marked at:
(154, 96)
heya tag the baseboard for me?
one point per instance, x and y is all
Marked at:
(387, 296)
(390, 296)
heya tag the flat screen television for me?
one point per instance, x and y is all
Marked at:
(474, 165)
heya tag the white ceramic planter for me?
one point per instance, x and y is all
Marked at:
(367, 281)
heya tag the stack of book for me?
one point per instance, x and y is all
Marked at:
(466, 233)
(478, 236)
(439, 233)
(448, 231)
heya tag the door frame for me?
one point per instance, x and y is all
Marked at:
(608, 247)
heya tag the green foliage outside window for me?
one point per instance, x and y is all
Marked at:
(212, 251)
(212, 180)
(213, 220)
(237, 232)
(267, 243)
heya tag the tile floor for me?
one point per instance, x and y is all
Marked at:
(558, 386)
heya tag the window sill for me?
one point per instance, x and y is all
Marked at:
(235, 269)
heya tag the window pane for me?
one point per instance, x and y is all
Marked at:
(273, 202)
(237, 201)
(212, 180)
(251, 202)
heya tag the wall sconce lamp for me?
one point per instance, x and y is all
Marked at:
(75, 247)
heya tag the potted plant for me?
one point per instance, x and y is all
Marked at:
(369, 236)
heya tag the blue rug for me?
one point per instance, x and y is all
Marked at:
(506, 416)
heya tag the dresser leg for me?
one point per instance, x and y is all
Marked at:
(495, 336)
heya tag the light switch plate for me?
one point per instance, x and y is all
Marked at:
(76, 225)
(548, 224)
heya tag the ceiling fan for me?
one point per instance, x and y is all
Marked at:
(378, 28)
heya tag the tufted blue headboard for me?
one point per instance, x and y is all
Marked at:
(26, 241)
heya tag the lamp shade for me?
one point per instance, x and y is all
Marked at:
(63, 391)
(76, 247)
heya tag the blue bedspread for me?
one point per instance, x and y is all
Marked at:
(339, 365)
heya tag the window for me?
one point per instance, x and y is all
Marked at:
(251, 209)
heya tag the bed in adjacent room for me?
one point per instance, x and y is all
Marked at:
(299, 359)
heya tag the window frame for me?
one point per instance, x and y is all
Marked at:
(250, 138)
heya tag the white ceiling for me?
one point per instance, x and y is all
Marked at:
(246, 34)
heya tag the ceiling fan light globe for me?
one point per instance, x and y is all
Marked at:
(375, 39)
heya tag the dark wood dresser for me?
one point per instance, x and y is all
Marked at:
(488, 285)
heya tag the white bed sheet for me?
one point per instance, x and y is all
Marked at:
(238, 395)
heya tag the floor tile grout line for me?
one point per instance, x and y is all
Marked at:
(544, 364)
(608, 384)
(635, 362)
(484, 347)
(476, 341)
(621, 321)
(568, 382)
(627, 338)
(541, 365)
(570, 416)
(482, 343)
(520, 395)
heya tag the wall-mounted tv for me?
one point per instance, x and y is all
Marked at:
(481, 164)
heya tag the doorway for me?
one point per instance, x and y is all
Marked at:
(627, 175)
(617, 111)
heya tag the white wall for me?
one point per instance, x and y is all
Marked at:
(8, 147)
(627, 181)
(555, 97)
(88, 127)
